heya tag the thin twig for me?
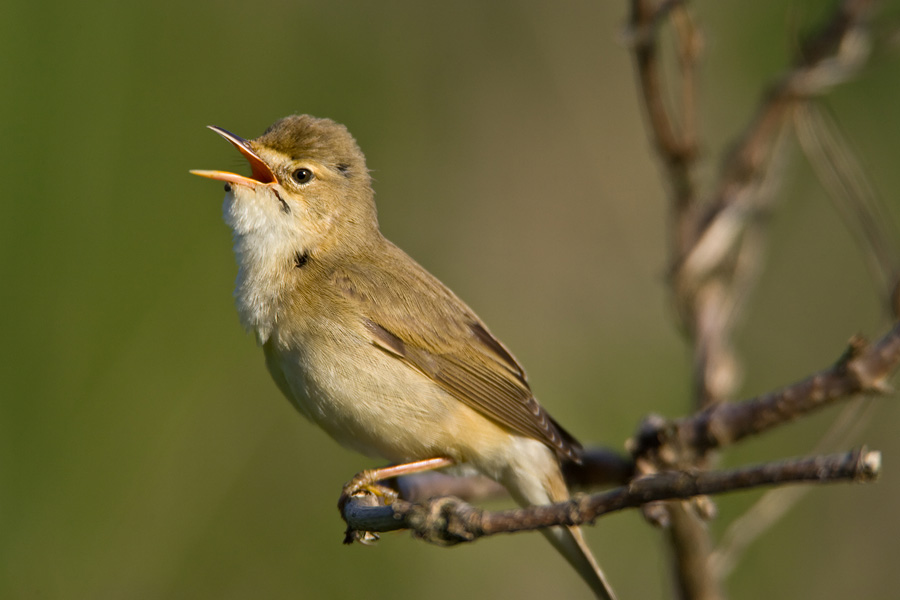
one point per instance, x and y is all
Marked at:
(863, 369)
(853, 195)
(777, 502)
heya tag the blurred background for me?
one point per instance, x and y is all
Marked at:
(144, 452)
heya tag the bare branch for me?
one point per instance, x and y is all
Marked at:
(863, 369)
(717, 245)
(448, 521)
(675, 138)
(707, 263)
(853, 195)
(646, 16)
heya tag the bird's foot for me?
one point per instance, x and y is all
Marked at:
(364, 486)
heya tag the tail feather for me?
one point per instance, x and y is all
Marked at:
(570, 543)
(538, 480)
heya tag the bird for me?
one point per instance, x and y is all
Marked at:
(370, 346)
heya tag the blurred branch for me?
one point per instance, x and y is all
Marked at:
(675, 138)
(777, 502)
(853, 195)
(448, 521)
(709, 264)
(599, 467)
(716, 249)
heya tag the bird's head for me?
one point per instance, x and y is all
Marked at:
(308, 191)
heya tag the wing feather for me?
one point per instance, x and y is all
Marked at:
(438, 335)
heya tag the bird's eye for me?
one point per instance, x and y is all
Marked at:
(302, 175)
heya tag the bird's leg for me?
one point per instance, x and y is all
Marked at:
(366, 483)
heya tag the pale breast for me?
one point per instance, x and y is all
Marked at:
(376, 404)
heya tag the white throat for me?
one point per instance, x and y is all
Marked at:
(264, 241)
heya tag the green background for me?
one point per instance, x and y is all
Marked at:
(144, 452)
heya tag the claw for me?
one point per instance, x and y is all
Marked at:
(364, 483)
(360, 486)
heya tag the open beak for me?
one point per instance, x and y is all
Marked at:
(261, 173)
